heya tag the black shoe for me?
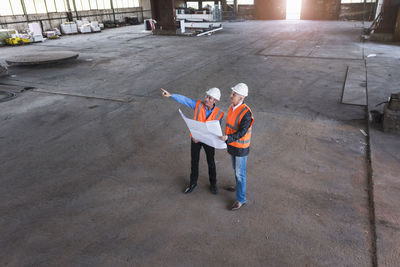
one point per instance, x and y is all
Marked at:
(189, 189)
(230, 188)
(214, 189)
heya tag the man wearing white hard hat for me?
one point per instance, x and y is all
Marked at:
(205, 110)
(239, 124)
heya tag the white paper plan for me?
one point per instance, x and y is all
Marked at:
(206, 132)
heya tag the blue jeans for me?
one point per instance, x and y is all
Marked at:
(239, 166)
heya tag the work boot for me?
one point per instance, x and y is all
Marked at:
(189, 189)
(214, 189)
(237, 205)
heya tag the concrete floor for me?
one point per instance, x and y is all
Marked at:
(94, 160)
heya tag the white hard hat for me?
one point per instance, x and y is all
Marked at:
(214, 92)
(241, 89)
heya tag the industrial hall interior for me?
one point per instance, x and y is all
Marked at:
(200, 133)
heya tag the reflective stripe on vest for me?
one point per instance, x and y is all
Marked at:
(197, 111)
(233, 122)
(200, 113)
(236, 126)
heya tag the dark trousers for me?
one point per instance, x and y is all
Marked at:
(195, 154)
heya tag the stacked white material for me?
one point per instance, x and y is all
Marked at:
(101, 25)
(37, 38)
(69, 28)
(36, 32)
(80, 23)
(35, 28)
(94, 25)
(85, 28)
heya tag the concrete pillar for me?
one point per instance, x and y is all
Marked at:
(396, 36)
(389, 15)
(76, 10)
(24, 10)
(163, 11)
(378, 8)
(69, 12)
(224, 6)
(112, 8)
(48, 16)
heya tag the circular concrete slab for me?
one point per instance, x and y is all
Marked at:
(41, 58)
(5, 96)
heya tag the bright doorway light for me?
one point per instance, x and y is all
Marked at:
(293, 8)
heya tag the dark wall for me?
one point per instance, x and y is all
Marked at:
(246, 11)
(270, 9)
(320, 9)
(389, 11)
(163, 12)
(357, 11)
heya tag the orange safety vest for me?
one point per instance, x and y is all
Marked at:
(232, 125)
(200, 113)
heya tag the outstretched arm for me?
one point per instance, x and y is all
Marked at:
(191, 103)
(181, 99)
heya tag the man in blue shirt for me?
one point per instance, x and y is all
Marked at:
(204, 111)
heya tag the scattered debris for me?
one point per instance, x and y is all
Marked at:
(365, 37)
(199, 28)
(131, 20)
(210, 32)
(375, 24)
(363, 132)
(391, 114)
(375, 116)
(3, 69)
(51, 34)
(150, 24)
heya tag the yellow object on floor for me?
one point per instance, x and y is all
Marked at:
(17, 41)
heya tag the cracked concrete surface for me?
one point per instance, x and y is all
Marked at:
(94, 160)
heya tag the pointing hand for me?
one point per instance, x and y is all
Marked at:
(165, 93)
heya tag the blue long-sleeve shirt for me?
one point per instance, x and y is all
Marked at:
(191, 103)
